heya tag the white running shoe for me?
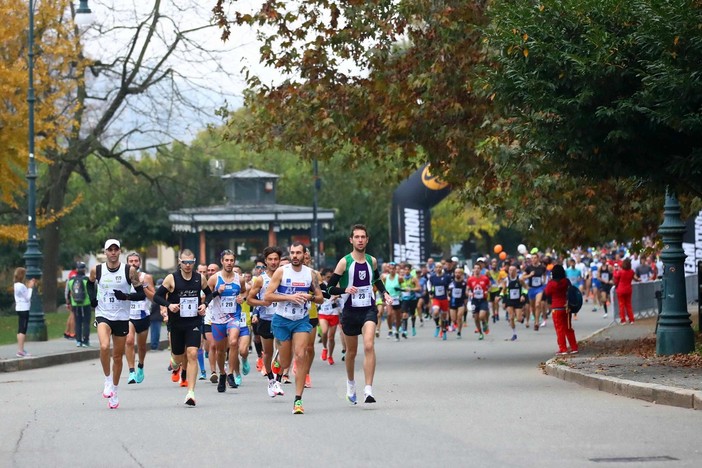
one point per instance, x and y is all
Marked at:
(543, 324)
(271, 388)
(113, 402)
(351, 393)
(107, 392)
(278, 389)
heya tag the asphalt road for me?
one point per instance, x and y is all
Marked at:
(440, 403)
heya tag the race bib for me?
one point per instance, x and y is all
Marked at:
(536, 281)
(478, 293)
(395, 301)
(457, 293)
(228, 304)
(406, 294)
(188, 306)
(363, 297)
(439, 290)
(514, 294)
(327, 308)
(644, 277)
(109, 301)
(605, 276)
(242, 321)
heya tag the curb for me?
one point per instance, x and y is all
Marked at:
(63, 357)
(654, 393)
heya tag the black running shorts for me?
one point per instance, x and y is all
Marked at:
(117, 327)
(352, 321)
(185, 335)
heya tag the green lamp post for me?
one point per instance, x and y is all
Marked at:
(36, 328)
(674, 334)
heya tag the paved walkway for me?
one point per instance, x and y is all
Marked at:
(629, 373)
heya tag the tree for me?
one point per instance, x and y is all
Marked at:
(56, 53)
(606, 89)
(452, 222)
(144, 79)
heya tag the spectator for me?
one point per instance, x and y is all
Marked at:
(69, 332)
(79, 302)
(23, 297)
(557, 289)
(622, 282)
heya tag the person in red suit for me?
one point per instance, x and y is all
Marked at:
(622, 282)
(557, 290)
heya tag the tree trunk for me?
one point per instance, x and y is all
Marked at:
(59, 173)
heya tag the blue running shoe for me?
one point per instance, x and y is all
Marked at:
(436, 332)
(445, 337)
(414, 331)
(139, 375)
(132, 378)
(245, 367)
(237, 379)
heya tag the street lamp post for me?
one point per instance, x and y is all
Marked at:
(36, 328)
(674, 334)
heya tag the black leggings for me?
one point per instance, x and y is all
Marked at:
(23, 321)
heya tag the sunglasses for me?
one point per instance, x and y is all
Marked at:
(259, 267)
(188, 262)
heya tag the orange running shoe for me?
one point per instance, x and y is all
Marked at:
(330, 361)
(324, 354)
(175, 375)
(259, 364)
(308, 381)
(183, 383)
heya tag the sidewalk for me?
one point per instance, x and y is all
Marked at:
(51, 353)
(611, 360)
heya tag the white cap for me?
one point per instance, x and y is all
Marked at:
(454, 259)
(480, 259)
(111, 242)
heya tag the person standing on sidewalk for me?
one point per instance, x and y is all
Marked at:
(557, 290)
(23, 297)
(156, 321)
(80, 305)
(622, 283)
(113, 281)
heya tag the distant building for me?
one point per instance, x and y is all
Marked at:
(250, 220)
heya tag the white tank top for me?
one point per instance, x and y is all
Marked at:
(139, 309)
(293, 282)
(265, 313)
(108, 305)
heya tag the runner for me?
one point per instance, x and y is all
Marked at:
(263, 313)
(185, 314)
(356, 275)
(328, 319)
(113, 281)
(606, 277)
(209, 343)
(438, 289)
(409, 285)
(457, 301)
(392, 285)
(496, 275)
(224, 316)
(534, 279)
(139, 321)
(514, 299)
(478, 285)
(244, 332)
(289, 288)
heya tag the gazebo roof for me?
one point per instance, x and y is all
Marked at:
(251, 173)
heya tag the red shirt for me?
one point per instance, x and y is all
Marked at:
(479, 286)
(623, 280)
(558, 290)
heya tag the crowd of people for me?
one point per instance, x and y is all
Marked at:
(281, 308)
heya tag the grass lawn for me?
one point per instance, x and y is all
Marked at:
(55, 325)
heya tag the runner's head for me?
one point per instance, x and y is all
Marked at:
(260, 266)
(227, 258)
(458, 274)
(202, 269)
(134, 259)
(359, 237)
(187, 260)
(112, 250)
(513, 271)
(212, 268)
(477, 268)
(297, 253)
(272, 256)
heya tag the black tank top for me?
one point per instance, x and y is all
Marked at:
(183, 289)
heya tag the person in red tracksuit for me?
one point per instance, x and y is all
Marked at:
(622, 283)
(557, 290)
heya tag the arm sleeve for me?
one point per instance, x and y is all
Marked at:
(160, 297)
(138, 295)
(325, 291)
(379, 282)
(332, 287)
(210, 295)
(92, 293)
